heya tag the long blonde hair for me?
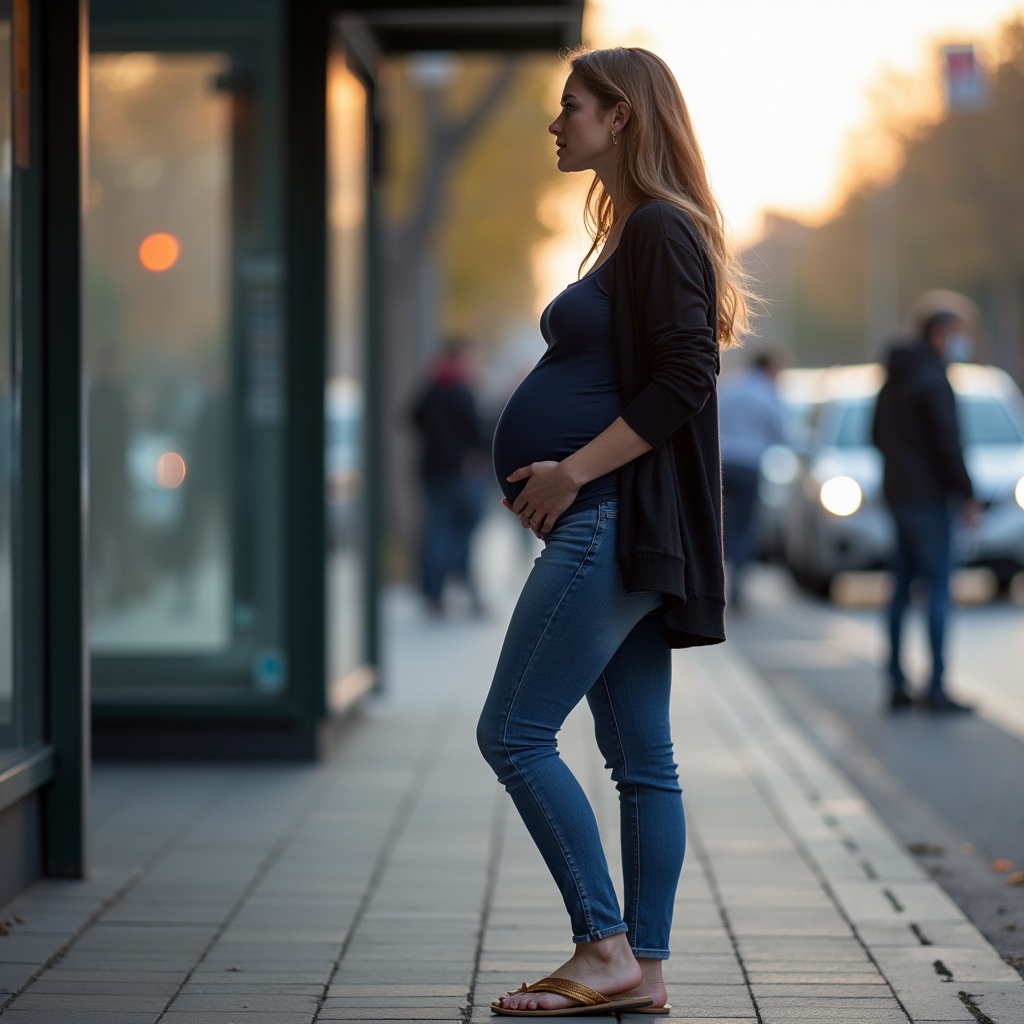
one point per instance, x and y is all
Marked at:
(660, 159)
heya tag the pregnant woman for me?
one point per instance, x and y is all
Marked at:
(608, 451)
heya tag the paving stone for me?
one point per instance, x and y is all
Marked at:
(262, 1002)
(875, 987)
(391, 1013)
(13, 976)
(761, 979)
(829, 1008)
(680, 1018)
(84, 1017)
(834, 1015)
(232, 1017)
(80, 1001)
(385, 999)
(398, 988)
(30, 949)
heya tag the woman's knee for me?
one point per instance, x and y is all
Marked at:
(509, 746)
(489, 740)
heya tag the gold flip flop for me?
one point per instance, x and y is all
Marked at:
(590, 1000)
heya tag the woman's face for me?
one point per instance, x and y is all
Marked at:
(583, 131)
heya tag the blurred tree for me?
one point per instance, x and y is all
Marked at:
(468, 157)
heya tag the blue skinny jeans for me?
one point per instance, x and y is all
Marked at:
(576, 633)
(924, 548)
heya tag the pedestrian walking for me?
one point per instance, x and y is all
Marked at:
(752, 421)
(608, 451)
(451, 446)
(926, 485)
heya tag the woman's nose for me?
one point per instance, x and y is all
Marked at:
(553, 127)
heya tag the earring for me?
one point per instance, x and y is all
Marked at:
(615, 141)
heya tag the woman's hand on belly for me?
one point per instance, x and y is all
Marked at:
(549, 491)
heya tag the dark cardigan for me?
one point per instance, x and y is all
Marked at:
(664, 318)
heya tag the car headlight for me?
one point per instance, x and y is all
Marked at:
(1018, 492)
(842, 496)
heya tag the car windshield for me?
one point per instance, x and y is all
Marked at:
(983, 421)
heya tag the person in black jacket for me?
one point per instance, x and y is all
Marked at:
(451, 445)
(609, 452)
(925, 483)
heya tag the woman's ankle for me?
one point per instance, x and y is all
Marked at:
(613, 949)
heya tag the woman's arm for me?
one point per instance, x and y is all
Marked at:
(551, 487)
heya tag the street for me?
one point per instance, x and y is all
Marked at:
(949, 786)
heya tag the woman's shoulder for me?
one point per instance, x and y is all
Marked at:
(658, 220)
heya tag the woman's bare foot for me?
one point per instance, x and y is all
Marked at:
(653, 984)
(608, 966)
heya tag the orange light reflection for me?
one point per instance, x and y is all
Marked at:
(159, 252)
(170, 470)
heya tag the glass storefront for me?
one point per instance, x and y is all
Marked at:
(184, 327)
(345, 435)
(158, 315)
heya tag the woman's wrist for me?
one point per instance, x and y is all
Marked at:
(573, 472)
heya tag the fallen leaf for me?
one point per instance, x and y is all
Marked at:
(1015, 878)
(1002, 865)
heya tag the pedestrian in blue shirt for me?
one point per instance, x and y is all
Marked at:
(752, 421)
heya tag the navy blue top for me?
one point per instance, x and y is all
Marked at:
(570, 396)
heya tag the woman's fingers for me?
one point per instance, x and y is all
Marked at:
(520, 474)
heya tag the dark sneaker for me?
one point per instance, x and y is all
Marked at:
(942, 702)
(900, 699)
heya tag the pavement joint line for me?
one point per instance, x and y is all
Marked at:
(499, 821)
(718, 711)
(704, 859)
(973, 1009)
(422, 768)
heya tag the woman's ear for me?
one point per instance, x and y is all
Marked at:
(620, 115)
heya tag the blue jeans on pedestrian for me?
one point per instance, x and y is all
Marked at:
(924, 549)
(453, 507)
(576, 633)
(739, 521)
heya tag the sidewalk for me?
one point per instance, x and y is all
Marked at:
(395, 883)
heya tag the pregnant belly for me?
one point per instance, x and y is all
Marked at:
(540, 424)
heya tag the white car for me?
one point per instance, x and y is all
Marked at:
(837, 520)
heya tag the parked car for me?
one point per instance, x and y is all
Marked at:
(837, 520)
(799, 390)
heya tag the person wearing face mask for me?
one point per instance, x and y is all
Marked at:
(926, 485)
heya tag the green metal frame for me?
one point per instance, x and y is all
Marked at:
(306, 247)
(64, 31)
(51, 670)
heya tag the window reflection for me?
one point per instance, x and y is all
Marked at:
(158, 322)
(344, 401)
